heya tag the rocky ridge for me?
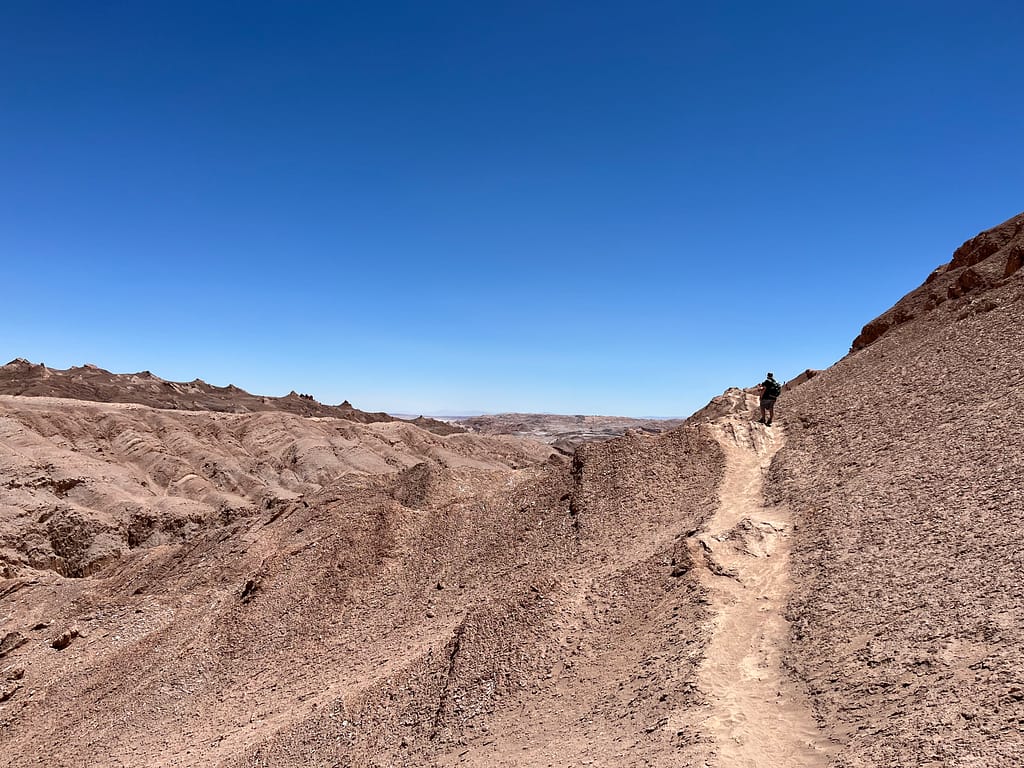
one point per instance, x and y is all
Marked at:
(89, 382)
(980, 264)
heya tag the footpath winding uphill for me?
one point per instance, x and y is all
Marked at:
(758, 714)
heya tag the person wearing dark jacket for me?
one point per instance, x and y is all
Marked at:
(769, 390)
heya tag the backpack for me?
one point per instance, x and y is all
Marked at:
(772, 389)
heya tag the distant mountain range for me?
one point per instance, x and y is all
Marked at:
(89, 382)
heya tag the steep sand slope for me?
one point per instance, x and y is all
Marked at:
(903, 466)
(628, 625)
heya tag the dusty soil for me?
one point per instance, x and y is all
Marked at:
(201, 587)
(342, 594)
(759, 714)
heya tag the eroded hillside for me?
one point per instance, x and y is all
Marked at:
(268, 589)
(85, 483)
(264, 589)
(904, 465)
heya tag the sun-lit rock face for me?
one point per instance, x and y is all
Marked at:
(982, 263)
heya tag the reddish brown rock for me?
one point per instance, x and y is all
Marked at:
(981, 263)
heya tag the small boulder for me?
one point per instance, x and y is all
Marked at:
(14, 673)
(63, 640)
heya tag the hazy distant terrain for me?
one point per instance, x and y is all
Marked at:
(566, 433)
(562, 431)
(199, 576)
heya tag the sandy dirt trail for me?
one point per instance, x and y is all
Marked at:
(759, 716)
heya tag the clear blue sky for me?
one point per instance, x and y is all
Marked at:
(583, 207)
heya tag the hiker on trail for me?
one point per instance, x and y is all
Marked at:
(769, 391)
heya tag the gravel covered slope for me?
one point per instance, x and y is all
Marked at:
(904, 464)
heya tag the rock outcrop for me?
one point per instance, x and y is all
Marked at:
(983, 262)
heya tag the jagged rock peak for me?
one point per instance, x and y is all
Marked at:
(991, 241)
(980, 264)
(21, 362)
